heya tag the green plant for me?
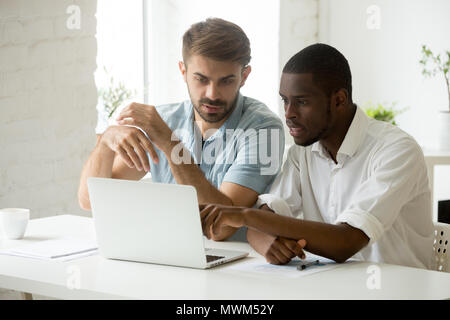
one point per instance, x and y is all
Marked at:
(114, 95)
(382, 112)
(433, 64)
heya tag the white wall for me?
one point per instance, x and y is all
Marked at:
(384, 61)
(47, 103)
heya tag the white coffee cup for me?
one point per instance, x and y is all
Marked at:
(14, 222)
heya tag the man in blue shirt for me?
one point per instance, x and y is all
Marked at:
(229, 147)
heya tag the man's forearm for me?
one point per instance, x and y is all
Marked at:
(337, 242)
(99, 164)
(259, 241)
(190, 174)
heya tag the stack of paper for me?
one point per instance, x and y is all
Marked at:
(62, 249)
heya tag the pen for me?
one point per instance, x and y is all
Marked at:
(303, 266)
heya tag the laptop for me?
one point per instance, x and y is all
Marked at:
(153, 223)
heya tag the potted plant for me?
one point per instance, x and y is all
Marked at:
(383, 111)
(110, 99)
(432, 65)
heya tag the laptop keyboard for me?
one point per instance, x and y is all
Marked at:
(211, 258)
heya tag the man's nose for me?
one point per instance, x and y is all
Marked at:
(212, 92)
(289, 111)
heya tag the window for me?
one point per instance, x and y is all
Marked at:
(121, 44)
(119, 48)
(169, 21)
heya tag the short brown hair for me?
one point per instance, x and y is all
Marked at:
(217, 39)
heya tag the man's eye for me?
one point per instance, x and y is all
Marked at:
(202, 80)
(302, 102)
(228, 81)
(284, 100)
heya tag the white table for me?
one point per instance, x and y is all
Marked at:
(105, 279)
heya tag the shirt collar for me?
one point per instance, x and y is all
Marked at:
(317, 147)
(194, 139)
(355, 134)
(353, 139)
(233, 120)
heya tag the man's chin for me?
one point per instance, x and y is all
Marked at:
(304, 142)
(211, 118)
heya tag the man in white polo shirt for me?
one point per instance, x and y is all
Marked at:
(351, 187)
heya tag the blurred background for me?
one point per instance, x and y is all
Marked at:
(67, 65)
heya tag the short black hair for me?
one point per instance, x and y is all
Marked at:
(329, 67)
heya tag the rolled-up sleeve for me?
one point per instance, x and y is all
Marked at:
(364, 221)
(258, 159)
(391, 184)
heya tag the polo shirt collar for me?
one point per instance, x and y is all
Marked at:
(233, 120)
(193, 141)
(231, 123)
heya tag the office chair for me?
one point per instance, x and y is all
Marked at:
(440, 246)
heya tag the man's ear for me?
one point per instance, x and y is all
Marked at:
(341, 97)
(182, 68)
(245, 74)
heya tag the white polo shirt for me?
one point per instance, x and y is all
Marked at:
(379, 185)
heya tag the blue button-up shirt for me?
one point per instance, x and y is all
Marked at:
(247, 149)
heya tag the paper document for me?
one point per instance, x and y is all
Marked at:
(288, 270)
(62, 249)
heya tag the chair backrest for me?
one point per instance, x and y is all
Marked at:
(440, 246)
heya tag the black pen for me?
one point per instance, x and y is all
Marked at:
(303, 266)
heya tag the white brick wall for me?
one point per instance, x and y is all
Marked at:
(47, 103)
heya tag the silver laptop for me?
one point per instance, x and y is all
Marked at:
(151, 222)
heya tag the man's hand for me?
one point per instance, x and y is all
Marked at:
(130, 143)
(148, 119)
(282, 250)
(217, 217)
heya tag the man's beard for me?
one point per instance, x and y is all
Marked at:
(316, 138)
(212, 118)
(322, 133)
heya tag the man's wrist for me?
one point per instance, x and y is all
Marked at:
(168, 147)
(104, 149)
(246, 216)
